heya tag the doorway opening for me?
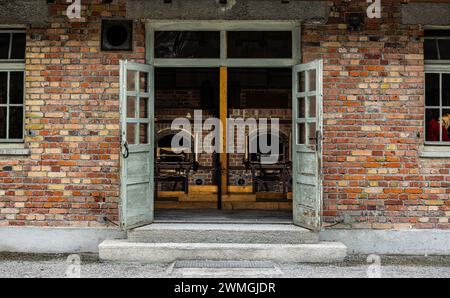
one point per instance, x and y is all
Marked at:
(245, 69)
(189, 183)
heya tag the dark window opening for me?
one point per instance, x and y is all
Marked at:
(262, 88)
(187, 44)
(259, 44)
(187, 88)
(437, 45)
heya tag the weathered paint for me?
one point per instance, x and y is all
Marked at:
(137, 159)
(306, 181)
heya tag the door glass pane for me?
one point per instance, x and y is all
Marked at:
(446, 89)
(433, 127)
(301, 108)
(131, 107)
(187, 44)
(2, 122)
(131, 133)
(312, 134)
(312, 80)
(143, 82)
(18, 46)
(16, 88)
(131, 80)
(432, 89)
(444, 49)
(4, 45)
(15, 122)
(3, 87)
(301, 82)
(301, 133)
(143, 133)
(259, 44)
(430, 49)
(143, 108)
(312, 106)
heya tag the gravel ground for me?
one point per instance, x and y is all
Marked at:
(46, 266)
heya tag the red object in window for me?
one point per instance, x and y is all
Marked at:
(433, 132)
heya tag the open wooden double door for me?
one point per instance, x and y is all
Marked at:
(137, 110)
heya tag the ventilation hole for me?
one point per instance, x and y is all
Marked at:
(117, 35)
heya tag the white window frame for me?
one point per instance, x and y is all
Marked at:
(8, 66)
(223, 27)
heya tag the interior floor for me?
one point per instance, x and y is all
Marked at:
(223, 216)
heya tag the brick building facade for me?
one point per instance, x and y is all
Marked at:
(377, 173)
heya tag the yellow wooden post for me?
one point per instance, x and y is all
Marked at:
(223, 119)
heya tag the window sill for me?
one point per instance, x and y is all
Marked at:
(14, 150)
(435, 152)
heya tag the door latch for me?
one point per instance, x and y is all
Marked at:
(126, 152)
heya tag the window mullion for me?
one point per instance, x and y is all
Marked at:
(223, 46)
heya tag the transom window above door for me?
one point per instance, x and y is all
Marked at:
(223, 43)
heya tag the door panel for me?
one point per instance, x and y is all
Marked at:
(307, 152)
(137, 121)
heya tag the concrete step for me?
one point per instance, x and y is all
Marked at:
(223, 233)
(126, 251)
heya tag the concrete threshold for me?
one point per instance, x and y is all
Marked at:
(126, 251)
(223, 233)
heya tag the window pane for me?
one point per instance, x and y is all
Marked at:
(433, 127)
(143, 133)
(16, 88)
(15, 122)
(131, 107)
(259, 44)
(430, 49)
(446, 89)
(301, 82)
(18, 46)
(312, 133)
(131, 80)
(301, 108)
(312, 106)
(187, 44)
(131, 133)
(301, 133)
(3, 87)
(432, 89)
(143, 81)
(143, 108)
(445, 125)
(4, 45)
(2, 122)
(312, 80)
(444, 49)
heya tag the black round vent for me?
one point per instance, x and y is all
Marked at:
(117, 35)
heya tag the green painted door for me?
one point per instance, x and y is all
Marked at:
(137, 127)
(307, 149)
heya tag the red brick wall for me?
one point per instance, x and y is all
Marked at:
(373, 124)
(72, 117)
(373, 110)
